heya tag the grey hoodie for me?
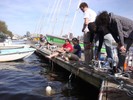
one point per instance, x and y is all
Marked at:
(120, 28)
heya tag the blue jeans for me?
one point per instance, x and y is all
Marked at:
(108, 39)
(108, 45)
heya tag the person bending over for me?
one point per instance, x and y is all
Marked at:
(121, 29)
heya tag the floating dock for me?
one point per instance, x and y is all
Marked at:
(110, 87)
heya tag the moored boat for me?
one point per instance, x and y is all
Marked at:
(14, 46)
(7, 44)
(15, 54)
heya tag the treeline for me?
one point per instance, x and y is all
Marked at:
(4, 29)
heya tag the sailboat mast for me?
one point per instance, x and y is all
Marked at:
(57, 10)
(75, 15)
(44, 17)
(51, 15)
(39, 25)
(65, 17)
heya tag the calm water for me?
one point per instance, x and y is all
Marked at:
(27, 80)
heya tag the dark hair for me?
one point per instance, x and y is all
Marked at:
(67, 40)
(75, 40)
(102, 19)
(83, 4)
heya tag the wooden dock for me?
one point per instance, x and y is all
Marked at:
(108, 86)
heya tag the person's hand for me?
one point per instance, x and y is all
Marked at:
(66, 49)
(121, 48)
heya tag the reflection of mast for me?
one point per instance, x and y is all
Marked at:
(37, 26)
(75, 15)
(65, 17)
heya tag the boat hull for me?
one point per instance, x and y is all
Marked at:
(13, 46)
(15, 54)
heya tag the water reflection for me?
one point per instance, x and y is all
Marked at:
(23, 77)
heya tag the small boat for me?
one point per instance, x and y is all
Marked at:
(15, 54)
(7, 44)
(14, 46)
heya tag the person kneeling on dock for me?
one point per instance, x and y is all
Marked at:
(104, 37)
(121, 29)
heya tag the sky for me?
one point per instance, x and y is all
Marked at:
(55, 17)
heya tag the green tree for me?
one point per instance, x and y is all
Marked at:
(4, 29)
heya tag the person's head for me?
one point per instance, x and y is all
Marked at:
(75, 41)
(83, 6)
(102, 19)
(67, 41)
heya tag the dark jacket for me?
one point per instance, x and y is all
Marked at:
(120, 28)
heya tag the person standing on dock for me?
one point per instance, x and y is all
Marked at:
(89, 17)
(121, 29)
(104, 37)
